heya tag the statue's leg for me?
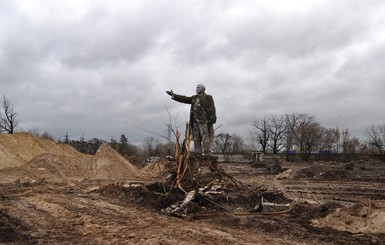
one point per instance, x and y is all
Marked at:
(197, 146)
(196, 137)
(206, 139)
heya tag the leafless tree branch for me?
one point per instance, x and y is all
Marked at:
(8, 122)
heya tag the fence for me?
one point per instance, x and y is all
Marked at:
(296, 157)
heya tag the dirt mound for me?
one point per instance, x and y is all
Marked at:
(323, 172)
(57, 167)
(12, 231)
(305, 173)
(110, 164)
(336, 174)
(24, 156)
(142, 195)
(285, 174)
(23, 147)
(106, 164)
(359, 218)
(154, 169)
(8, 159)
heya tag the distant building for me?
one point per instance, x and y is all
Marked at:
(257, 156)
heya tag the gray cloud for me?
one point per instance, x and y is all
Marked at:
(101, 69)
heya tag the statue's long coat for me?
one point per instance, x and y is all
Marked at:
(202, 107)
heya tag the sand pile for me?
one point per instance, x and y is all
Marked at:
(359, 218)
(154, 169)
(8, 159)
(25, 147)
(108, 164)
(55, 167)
(24, 156)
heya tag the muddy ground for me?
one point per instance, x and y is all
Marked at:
(130, 212)
(43, 202)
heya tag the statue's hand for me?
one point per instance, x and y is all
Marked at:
(171, 93)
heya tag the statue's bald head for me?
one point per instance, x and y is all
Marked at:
(200, 88)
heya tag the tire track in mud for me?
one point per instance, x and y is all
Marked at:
(46, 221)
(83, 219)
(77, 213)
(75, 216)
(352, 191)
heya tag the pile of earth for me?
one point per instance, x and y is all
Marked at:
(27, 157)
(362, 217)
(210, 200)
(8, 232)
(324, 172)
(155, 168)
(272, 168)
(18, 149)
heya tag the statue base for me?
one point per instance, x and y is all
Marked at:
(203, 169)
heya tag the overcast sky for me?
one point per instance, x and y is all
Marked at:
(100, 68)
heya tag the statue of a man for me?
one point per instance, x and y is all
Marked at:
(202, 117)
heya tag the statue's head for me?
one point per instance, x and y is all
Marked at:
(200, 88)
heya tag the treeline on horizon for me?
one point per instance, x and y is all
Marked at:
(296, 133)
(275, 134)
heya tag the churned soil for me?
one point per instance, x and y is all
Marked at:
(51, 194)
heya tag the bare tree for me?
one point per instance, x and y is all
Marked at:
(376, 138)
(329, 139)
(306, 133)
(278, 127)
(313, 134)
(263, 132)
(251, 139)
(289, 141)
(152, 146)
(8, 122)
(227, 144)
(350, 145)
(293, 121)
(238, 144)
(123, 146)
(222, 143)
(169, 134)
